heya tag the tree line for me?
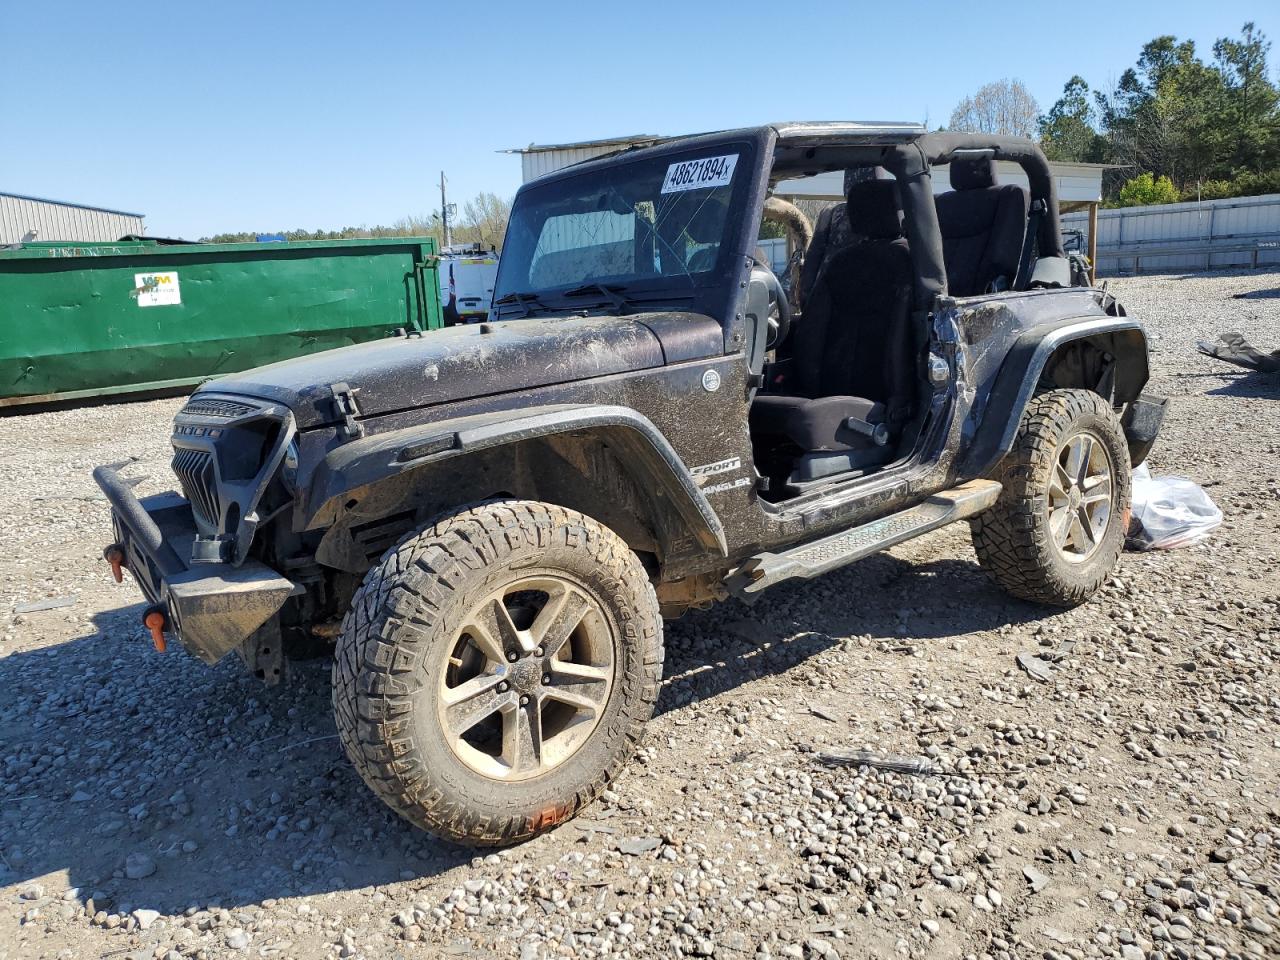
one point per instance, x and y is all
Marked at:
(483, 220)
(1178, 126)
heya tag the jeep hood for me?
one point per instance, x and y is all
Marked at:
(455, 363)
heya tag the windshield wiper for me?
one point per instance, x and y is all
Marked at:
(521, 300)
(617, 299)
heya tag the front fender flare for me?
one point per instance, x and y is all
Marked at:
(372, 459)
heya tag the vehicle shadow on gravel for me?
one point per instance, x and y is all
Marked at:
(159, 783)
(1251, 386)
(712, 651)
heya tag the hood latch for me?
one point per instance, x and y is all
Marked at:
(344, 405)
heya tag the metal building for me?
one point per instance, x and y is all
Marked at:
(32, 218)
(538, 159)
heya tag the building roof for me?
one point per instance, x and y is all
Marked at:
(66, 203)
(587, 144)
(790, 128)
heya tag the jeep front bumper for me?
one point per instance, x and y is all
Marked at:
(212, 608)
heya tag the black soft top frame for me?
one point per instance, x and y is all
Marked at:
(911, 160)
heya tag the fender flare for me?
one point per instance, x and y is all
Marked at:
(1020, 374)
(360, 463)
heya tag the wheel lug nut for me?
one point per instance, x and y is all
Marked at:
(546, 679)
(513, 656)
(538, 651)
(524, 700)
(503, 687)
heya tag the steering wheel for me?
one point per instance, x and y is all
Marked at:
(780, 325)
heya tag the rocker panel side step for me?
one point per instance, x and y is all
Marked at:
(820, 556)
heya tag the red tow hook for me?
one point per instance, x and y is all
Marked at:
(154, 619)
(114, 555)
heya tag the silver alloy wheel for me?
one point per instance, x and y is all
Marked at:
(1080, 493)
(528, 676)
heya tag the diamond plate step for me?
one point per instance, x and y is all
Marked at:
(820, 556)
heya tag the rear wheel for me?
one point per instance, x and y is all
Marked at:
(1056, 532)
(496, 670)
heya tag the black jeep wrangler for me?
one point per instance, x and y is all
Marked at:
(486, 525)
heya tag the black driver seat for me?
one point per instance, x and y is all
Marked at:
(848, 347)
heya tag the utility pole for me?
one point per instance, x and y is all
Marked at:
(444, 213)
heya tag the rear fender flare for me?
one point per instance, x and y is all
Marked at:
(1024, 366)
(389, 470)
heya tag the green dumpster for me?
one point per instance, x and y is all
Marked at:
(94, 319)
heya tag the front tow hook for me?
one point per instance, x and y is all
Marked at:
(157, 621)
(114, 555)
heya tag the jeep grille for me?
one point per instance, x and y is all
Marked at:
(194, 469)
(207, 407)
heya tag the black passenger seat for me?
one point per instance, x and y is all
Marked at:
(982, 226)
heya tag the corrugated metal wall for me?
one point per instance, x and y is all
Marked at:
(547, 161)
(61, 221)
(1243, 231)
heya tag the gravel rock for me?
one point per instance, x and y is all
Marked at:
(138, 866)
(237, 939)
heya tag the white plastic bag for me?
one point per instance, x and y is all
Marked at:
(1172, 512)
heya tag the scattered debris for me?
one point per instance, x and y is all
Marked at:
(1037, 668)
(884, 761)
(1037, 879)
(1233, 348)
(1060, 652)
(1169, 512)
(48, 603)
(822, 714)
(637, 845)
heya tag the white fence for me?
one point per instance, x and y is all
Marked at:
(775, 251)
(1171, 237)
(1209, 235)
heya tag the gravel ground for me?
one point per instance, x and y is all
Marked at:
(151, 807)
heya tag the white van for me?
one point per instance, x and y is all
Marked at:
(467, 273)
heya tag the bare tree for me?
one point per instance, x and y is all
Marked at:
(1002, 107)
(484, 219)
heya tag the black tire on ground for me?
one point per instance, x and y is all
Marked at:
(400, 672)
(1015, 540)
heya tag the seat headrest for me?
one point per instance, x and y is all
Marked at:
(862, 174)
(973, 173)
(874, 209)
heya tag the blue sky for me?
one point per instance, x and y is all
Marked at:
(228, 115)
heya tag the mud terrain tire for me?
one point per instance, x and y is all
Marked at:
(400, 647)
(1016, 540)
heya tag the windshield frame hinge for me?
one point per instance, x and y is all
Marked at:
(346, 408)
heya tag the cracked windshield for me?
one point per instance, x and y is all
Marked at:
(655, 223)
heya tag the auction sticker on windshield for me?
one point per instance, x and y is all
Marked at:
(698, 174)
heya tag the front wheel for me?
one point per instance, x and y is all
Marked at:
(1056, 532)
(496, 670)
